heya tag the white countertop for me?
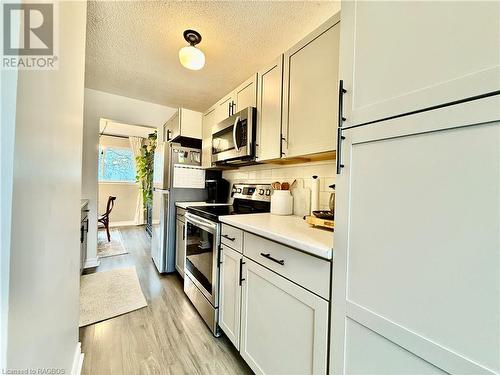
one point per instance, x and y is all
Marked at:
(288, 230)
(187, 204)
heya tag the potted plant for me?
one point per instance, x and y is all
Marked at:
(144, 164)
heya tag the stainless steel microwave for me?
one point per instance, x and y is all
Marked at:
(233, 140)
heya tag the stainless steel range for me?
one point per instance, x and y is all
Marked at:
(201, 281)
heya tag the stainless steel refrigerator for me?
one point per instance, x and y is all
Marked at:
(177, 177)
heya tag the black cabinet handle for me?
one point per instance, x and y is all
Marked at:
(241, 270)
(220, 256)
(341, 119)
(268, 256)
(230, 108)
(82, 228)
(227, 237)
(183, 232)
(233, 107)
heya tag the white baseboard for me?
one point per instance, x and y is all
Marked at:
(91, 262)
(76, 369)
(121, 223)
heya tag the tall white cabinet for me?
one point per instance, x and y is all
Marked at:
(417, 266)
(403, 56)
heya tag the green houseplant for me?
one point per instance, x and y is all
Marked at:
(144, 164)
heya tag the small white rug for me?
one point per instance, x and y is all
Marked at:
(107, 294)
(112, 248)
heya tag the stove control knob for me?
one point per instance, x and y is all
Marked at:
(239, 190)
(268, 192)
(261, 191)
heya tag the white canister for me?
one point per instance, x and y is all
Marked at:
(281, 202)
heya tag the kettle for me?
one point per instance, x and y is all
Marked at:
(332, 198)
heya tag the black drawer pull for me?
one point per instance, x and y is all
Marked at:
(268, 256)
(227, 237)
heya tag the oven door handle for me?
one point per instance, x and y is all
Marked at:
(235, 127)
(204, 224)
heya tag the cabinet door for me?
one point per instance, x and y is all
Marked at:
(190, 123)
(230, 294)
(393, 63)
(223, 108)
(245, 95)
(284, 327)
(167, 131)
(180, 247)
(269, 99)
(175, 125)
(206, 144)
(417, 273)
(310, 104)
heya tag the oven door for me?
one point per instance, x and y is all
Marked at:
(202, 246)
(233, 138)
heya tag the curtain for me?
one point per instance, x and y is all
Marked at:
(135, 145)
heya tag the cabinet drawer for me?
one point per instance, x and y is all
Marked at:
(306, 270)
(232, 237)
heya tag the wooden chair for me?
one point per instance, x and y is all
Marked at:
(104, 218)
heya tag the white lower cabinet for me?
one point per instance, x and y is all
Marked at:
(180, 247)
(230, 294)
(284, 327)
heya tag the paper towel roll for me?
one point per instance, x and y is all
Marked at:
(315, 194)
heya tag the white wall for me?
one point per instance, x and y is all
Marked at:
(125, 204)
(99, 105)
(267, 173)
(8, 113)
(45, 221)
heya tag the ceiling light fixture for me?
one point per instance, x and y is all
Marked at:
(190, 56)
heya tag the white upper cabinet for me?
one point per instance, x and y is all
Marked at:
(206, 143)
(393, 63)
(184, 123)
(269, 99)
(245, 95)
(224, 108)
(311, 92)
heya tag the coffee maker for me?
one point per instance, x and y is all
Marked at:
(218, 190)
(217, 187)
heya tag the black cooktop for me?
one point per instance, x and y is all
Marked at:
(212, 212)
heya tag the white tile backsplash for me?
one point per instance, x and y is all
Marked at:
(267, 173)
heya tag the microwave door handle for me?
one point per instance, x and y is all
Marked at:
(235, 126)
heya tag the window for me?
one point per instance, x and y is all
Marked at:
(116, 164)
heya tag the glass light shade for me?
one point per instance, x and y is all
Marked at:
(192, 58)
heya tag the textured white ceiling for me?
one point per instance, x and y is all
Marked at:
(132, 47)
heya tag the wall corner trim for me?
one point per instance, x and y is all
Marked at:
(76, 368)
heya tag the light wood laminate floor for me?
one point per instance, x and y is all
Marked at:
(166, 337)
